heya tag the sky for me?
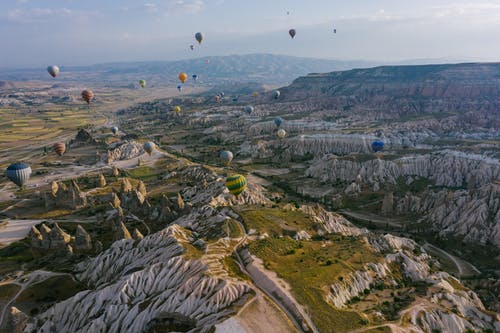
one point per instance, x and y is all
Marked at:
(75, 32)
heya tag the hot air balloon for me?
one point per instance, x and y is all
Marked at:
(53, 70)
(149, 147)
(87, 95)
(183, 77)
(236, 184)
(221, 94)
(292, 33)
(195, 77)
(278, 121)
(114, 129)
(19, 173)
(276, 94)
(226, 157)
(179, 87)
(334, 31)
(234, 99)
(199, 37)
(249, 109)
(142, 83)
(59, 148)
(255, 94)
(177, 109)
(281, 134)
(217, 98)
(191, 47)
(377, 146)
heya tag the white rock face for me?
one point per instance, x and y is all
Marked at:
(466, 213)
(332, 223)
(445, 168)
(133, 285)
(125, 151)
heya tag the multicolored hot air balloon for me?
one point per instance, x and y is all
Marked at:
(199, 37)
(249, 109)
(87, 95)
(377, 146)
(278, 121)
(226, 157)
(292, 33)
(59, 148)
(195, 77)
(142, 83)
(53, 70)
(276, 94)
(177, 109)
(114, 130)
(281, 133)
(236, 184)
(149, 147)
(19, 173)
(182, 77)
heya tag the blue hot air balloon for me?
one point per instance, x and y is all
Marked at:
(19, 173)
(195, 77)
(377, 146)
(179, 87)
(278, 121)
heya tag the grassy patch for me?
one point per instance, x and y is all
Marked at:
(233, 269)
(41, 295)
(310, 267)
(276, 221)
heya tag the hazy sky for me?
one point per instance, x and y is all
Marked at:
(74, 32)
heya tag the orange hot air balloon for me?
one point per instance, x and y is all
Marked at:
(59, 148)
(183, 77)
(87, 95)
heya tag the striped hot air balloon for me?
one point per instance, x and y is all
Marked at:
(19, 173)
(236, 184)
(87, 95)
(59, 148)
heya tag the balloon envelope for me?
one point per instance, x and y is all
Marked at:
(53, 70)
(199, 37)
(276, 94)
(179, 87)
(142, 83)
(183, 77)
(236, 184)
(177, 109)
(281, 133)
(249, 109)
(226, 157)
(114, 129)
(292, 32)
(377, 146)
(149, 147)
(59, 148)
(195, 77)
(278, 121)
(19, 173)
(87, 95)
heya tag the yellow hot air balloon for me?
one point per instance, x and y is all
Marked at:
(255, 94)
(236, 184)
(281, 134)
(183, 76)
(177, 109)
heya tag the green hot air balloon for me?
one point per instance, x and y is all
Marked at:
(142, 83)
(19, 173)
(236, 184)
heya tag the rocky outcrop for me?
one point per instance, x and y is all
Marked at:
(16, 320)
(83, 241)
(82, 138)
(62, 196)
(101, 181)
(446, 168)
(143, 282)
(124, 151)
(331, 223)
(57, 240)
